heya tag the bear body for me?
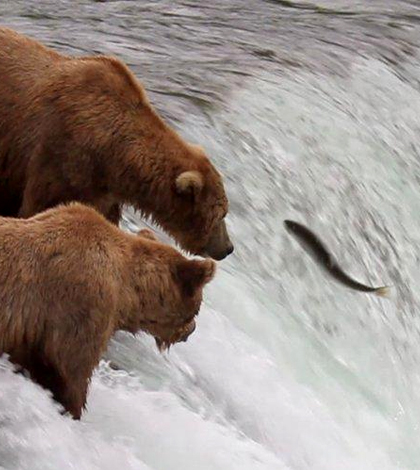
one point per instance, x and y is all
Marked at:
(83, 129)
(69, 279)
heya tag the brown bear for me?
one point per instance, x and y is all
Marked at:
(69, 279)
(83, 129)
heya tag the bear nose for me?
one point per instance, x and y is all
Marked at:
(223, 254)
(229, 249)
(218, 255)
(189, 331)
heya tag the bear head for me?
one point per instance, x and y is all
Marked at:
(168, 291)
(203, 206)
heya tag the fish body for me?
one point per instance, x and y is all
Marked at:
(323, 257)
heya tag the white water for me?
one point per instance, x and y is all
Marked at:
(286, 370)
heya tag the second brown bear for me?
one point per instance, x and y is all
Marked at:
(69, 279)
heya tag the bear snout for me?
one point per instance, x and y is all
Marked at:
(219, 245)
(218, 255)
(181, 334)
(187, 331)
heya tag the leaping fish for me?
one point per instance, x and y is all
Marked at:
(321, 255)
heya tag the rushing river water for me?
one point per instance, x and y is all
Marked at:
(312, 112)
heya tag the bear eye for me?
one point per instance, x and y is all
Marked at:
(193, 199)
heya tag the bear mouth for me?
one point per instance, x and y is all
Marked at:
(180, 335)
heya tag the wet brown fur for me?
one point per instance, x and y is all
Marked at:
(69, 279)
(83, 129)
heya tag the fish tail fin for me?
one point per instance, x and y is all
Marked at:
(383, 291)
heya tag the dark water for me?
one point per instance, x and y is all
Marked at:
(191, 54)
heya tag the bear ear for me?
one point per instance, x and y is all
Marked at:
(189, 182)
(194, 274)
